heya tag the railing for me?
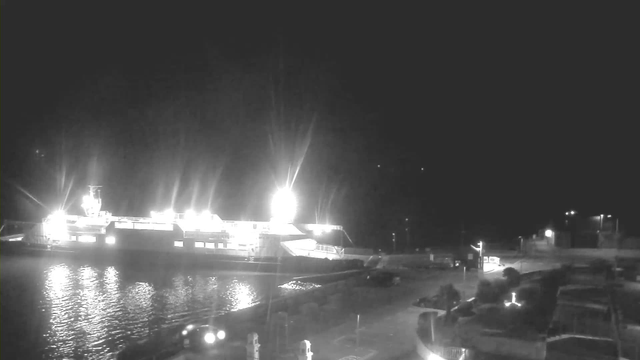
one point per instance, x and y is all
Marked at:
(448, 352)
(444, 352)
(326, 248)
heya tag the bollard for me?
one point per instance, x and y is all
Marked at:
(304, 353)
(253, 347)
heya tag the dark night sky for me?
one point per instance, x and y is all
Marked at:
(516, 115)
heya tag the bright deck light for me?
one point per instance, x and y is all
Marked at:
(283, 206)
(205, 217)
(190, 215)
(548, 233)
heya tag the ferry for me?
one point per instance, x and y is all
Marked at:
(203, 235)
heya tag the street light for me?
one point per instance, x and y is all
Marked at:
(609, 216)
(549, 234)
(481, 259)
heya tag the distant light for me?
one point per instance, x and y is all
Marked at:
(283, 206)
(378, 166)
(184, 332)
(209, 338)
(548, 233)
(601, 215)
(573, 212)
(407, 219)
(608, 216)
(567, 213)
(190, 327)
(421, 169)
(513, 301)
(221, 334)
(110, 240)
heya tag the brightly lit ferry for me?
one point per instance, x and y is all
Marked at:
(190, 233)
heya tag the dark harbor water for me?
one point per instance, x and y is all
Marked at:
(61, 308)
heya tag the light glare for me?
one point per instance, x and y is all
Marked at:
(548, 233)
(209, 338)
(190, 215)
(283, 206)
(221, 334)
(87, 238)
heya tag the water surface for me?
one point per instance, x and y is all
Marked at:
(61, 308)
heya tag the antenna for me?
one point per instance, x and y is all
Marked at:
(90, 203)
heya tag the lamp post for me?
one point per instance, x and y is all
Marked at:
(394, 242)
(480, 259)
(601, 221)
(406, 220)
(568, 214)
(549, 234)
(521, 245)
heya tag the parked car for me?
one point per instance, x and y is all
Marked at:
(384, 278)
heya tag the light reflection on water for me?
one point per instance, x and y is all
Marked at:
(86, 311)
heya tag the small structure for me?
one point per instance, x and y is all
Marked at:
(253, 347)
(304, 352)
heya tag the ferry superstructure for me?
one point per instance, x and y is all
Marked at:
(188, 232)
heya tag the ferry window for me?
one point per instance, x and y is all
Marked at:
(86, 238)
(199, 244)
(211, 245)
(177, 243)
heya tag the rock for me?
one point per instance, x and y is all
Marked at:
(310, 310)
(335, 300)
